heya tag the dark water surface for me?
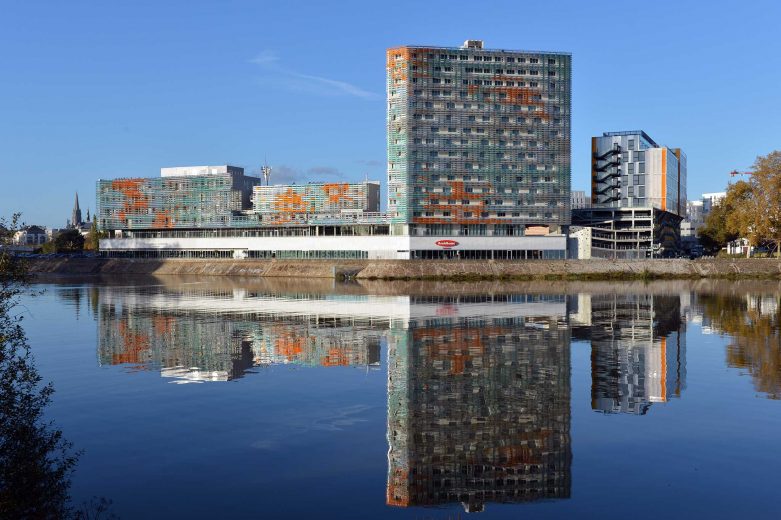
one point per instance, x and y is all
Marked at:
(204, 397)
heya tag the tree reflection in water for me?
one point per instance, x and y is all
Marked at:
(36, 461)
(753, 323)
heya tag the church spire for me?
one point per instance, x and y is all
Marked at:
(76, 215)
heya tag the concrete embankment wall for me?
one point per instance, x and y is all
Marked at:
(210, 267)
(418, 269)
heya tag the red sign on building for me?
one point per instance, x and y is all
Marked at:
(446, 243)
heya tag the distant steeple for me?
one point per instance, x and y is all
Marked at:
(88, 219)
(76, 215)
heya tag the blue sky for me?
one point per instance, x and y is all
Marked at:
(97, 89)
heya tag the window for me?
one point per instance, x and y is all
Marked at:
(631, 145)
(641, 167)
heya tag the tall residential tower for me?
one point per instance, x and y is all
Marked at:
(479, 141)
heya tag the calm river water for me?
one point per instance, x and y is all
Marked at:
(218, 397)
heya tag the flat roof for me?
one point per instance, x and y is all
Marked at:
(473, 50)
(632, 132)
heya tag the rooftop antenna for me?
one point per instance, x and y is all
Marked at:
(266, 169)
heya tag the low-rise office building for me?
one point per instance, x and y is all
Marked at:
(286, 202)
(204, 212)
(181, 198)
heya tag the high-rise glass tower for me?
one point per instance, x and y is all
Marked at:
(479, 140)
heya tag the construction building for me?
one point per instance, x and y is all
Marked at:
(638, 194)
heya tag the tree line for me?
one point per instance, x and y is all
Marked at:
(750, 210)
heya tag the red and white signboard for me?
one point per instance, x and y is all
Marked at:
(447, 244)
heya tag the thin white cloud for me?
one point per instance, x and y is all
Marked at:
(338, 86)
(318, 84)
(264, 58)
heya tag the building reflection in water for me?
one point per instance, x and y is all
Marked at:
(478, 386)
(218, 336)
(753, 322)
(638, 349)
(479, 402)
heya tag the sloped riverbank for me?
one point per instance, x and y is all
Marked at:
(421, 269)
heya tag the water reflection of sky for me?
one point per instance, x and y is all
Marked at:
(477, 395)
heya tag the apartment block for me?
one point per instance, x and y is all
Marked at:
(479, 140)
(580, 199)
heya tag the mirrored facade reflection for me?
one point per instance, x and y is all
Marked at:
(479, 407)
(638, 349)
(218, 336)
(478, 385)
(479, 379)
